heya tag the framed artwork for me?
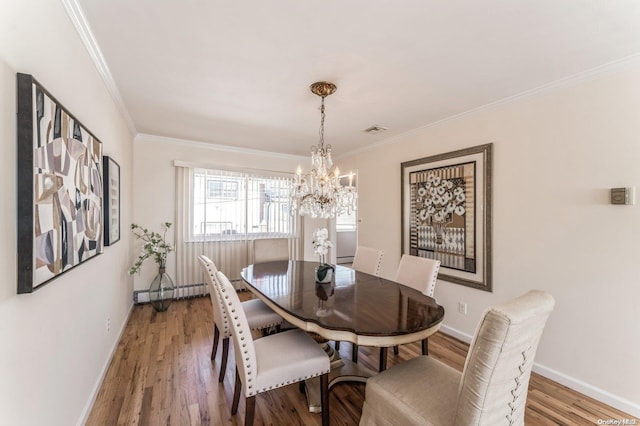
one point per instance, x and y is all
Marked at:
(59, 174)
(111, 191)
(446, 213)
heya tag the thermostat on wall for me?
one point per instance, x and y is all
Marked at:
(623, 196)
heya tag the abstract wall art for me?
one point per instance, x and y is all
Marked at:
(60, 188)
(446, 213)
(111, 174)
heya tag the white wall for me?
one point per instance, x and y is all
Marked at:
(154, 180)
(55, 346)
(556, 154)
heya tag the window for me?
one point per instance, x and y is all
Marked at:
(222, 189)
(234, 205)
(346, 221)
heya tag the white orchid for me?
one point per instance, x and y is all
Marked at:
(321, 243)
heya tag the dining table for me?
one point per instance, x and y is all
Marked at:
(356, 307)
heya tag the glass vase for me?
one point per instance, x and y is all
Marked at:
(161, 291)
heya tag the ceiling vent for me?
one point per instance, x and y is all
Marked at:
(375, 129)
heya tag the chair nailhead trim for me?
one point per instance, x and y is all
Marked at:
(514, 392)
(288, 382)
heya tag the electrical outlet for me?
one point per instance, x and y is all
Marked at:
(108, 325)
(462, 308)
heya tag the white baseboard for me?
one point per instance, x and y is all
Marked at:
(601, 395)
(184, 291)
(96, 388)
(586, 389)
(449, 331)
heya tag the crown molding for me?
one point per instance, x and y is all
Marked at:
(214, 146)
(562, 83)
(83, 29)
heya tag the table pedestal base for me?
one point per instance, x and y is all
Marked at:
(342, 370)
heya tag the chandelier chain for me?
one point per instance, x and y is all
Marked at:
(322, 115)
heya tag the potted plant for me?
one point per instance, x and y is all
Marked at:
(321, 244)
(155, 245)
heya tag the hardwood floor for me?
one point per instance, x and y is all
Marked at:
(162, 374)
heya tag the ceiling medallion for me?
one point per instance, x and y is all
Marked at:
(319, 193)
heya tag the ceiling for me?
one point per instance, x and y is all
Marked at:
(237, 73)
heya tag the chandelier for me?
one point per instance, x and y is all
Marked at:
(319, 193)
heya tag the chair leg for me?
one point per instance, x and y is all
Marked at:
(216, 338)
(337, 345)
(354, 353)
(324, 398)
(396, 350)
(225, 356)
(383, 359)
(425, 347)
(268, 331)
(236, 394)
(250, 410)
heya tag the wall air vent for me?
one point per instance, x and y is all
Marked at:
(375, 129)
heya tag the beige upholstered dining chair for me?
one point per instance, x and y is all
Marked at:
(419, 273)
(367, 260)
(270, 249)
(492, 388)
(272, 361)
(259, 315)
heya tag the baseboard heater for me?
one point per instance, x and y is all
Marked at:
(187, 291)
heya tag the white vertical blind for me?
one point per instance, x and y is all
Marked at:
(220, 212)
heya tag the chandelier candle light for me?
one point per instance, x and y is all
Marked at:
(319, 193)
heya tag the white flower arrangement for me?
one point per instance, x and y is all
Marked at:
(321, 243)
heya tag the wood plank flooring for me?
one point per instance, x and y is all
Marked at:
(161, 374)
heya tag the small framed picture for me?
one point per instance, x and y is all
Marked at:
(111, 185)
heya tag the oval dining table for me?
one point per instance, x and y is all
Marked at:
(356, 307)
